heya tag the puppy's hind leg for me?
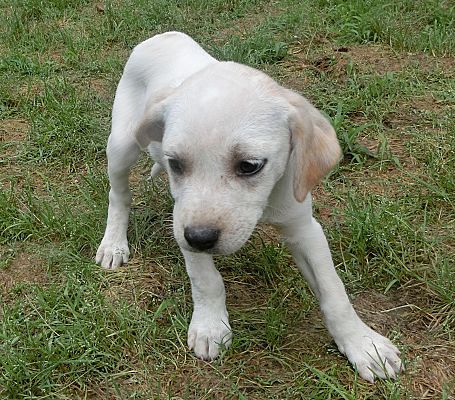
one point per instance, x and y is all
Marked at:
(372, 354)
(122, 153)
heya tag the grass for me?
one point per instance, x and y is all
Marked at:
(383, 72)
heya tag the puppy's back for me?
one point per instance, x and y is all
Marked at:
(166, 60)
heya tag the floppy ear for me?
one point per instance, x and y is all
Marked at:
(151, 126)
(315, 149)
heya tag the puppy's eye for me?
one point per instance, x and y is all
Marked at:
(176, 166)
(250, 167)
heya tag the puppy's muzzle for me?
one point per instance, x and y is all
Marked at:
(201, 238)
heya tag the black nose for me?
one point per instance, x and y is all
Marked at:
(201, 238)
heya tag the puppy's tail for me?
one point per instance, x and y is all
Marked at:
(156, 169)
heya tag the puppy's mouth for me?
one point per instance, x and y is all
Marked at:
(214, 251)
(209, 242)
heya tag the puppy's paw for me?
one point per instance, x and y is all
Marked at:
(372, 354)
(208, 333)
(111, 255)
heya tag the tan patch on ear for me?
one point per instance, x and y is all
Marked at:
(315, 157)
(314, 145)
(151, 126)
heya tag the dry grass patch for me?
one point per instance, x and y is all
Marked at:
(428, 351)
(367, 59)
(21, 268)
(140, 282)
(14, 130)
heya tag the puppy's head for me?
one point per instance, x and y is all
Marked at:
(228, 134)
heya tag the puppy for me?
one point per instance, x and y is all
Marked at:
(239, 149)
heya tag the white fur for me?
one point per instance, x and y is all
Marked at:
(178, 102)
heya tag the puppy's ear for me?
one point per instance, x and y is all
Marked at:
(315, 149)
(152, 124)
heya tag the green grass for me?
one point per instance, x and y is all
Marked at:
(383, 72)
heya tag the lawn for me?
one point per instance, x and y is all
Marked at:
(382, 71)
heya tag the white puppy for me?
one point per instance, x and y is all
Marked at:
(238, 149)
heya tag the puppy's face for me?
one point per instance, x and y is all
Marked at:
(225, 147)
(228, 134)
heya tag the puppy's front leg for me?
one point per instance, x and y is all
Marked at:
(372, 354)
(122, 153)
(209, 327)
